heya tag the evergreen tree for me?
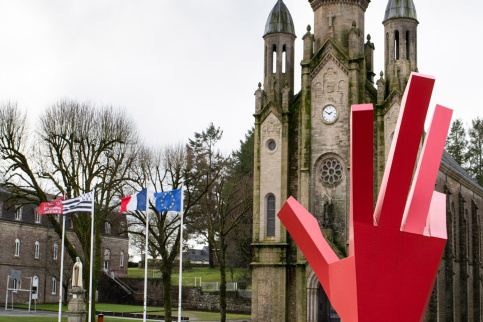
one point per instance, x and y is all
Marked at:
(242, 167)
(209, 163)
(456, 143)
(243, 158)
(475, 151)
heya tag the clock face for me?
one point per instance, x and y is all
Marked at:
(329, 114)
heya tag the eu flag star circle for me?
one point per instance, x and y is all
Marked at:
(168, 200)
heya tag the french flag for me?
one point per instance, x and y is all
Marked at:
(135, 202)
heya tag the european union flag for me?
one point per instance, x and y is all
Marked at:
(168, 200)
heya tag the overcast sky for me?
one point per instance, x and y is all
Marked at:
(176, 66)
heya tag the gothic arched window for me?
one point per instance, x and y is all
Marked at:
(271, 216)
(396, 45)
(274, 59)
(407, 45)
(284, 60)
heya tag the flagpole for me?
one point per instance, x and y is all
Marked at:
(61, 269)
(180, 259)
(92, 259)
(146, 262)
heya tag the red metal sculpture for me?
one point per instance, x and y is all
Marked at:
(394, 250)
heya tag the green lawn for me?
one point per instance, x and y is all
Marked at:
(99, 307)
(44, 319)
(207, 275)
(193, 315)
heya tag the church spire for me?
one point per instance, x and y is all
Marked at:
(400, 26)
(400, 9)
(279, 38)
(279, 20)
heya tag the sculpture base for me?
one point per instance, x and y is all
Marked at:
(76, 309)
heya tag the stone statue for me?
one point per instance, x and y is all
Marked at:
(77, 274)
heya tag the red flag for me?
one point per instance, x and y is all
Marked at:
(54, 207)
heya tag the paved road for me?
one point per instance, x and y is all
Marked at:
(22, 312)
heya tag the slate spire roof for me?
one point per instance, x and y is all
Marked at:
(400, 9)
(279, 20)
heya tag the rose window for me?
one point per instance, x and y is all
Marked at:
(331, 172)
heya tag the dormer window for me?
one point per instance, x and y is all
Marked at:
(18, 214)
(38, 217)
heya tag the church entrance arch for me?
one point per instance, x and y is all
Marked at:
(319, 308)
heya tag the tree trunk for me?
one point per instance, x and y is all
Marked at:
(211, 253)
(166, 271)
(222, 264)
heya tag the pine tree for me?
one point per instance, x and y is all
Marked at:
(475, 151)
(456, 143)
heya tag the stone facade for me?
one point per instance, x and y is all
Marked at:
(310, 160)
(33, 247)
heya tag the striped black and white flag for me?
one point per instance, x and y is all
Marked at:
(82, 203)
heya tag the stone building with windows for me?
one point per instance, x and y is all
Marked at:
(302, 149)
(31, 246)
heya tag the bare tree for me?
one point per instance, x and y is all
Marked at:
(77, 148)
(165, 169)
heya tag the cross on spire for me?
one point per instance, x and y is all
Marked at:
(331, 16)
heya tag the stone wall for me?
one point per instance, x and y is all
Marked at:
(193, 297)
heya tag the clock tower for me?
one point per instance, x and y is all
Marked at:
(302, 140)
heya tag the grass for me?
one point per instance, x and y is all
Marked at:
(193, 315)
(99, 307)
(52, 319)
(207, 275)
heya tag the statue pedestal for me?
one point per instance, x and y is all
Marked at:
(76, 309)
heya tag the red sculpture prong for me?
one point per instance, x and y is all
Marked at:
(394, 250)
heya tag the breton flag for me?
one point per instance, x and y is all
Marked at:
(52, 208)
(168, 200)
(82, 203)
(137, 201)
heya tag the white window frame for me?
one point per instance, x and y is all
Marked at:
(56, 251)
(107, 228)
(17, 247)
(18, 214)
(38, 217)
(107, 259)
(270, 211)
(37, 249)
(16, 285)
(54, 285)
(121, 264)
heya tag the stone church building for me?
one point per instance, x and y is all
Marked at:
(302, 149)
